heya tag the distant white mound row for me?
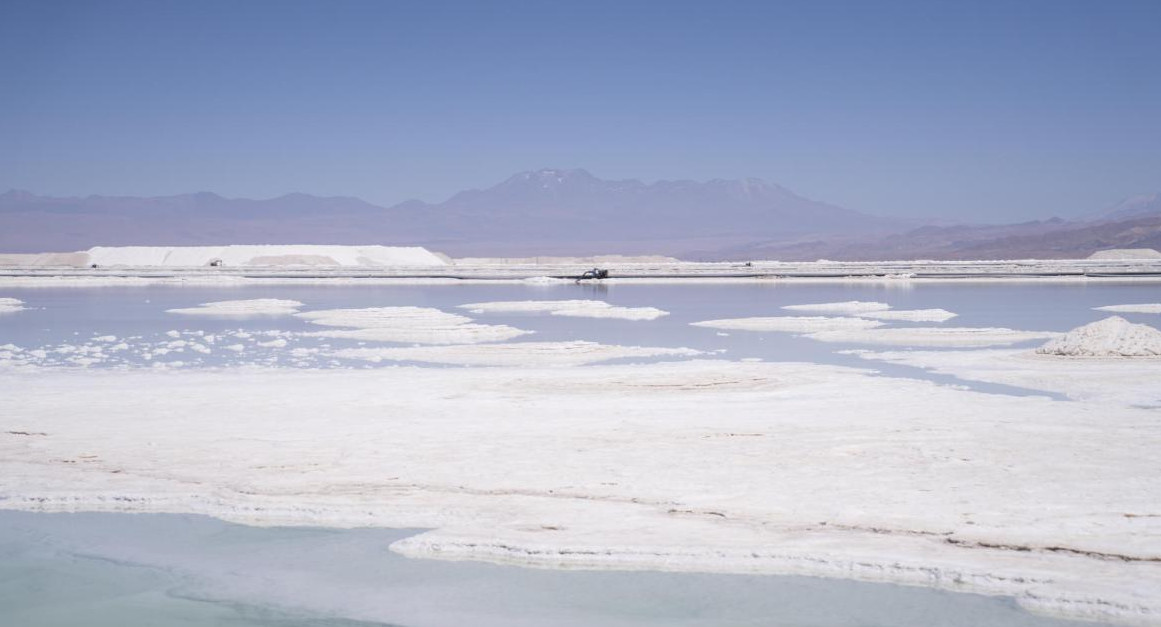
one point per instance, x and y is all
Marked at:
(1134, 308)
(790, 324)
(845, 307)
(263, 255)
(1112, 337)
(10, 305)
(1126, 253)
(573, 308)
(410, 325)
(242, 308)
(520, 354)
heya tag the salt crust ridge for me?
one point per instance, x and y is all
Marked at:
(1133, 308)
(1117, 381)
(571, 308)
(933, 336)
(925, 484)
(420, 325)
(11, 305)
(792, 324)
(515, 354)
(910, 315)
(1112, 337)
(237, 308)
(846, 307)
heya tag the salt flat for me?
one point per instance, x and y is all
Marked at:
(813, 469)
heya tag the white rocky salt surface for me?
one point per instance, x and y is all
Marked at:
(910, 315)
(814, 469)
(1112, 337)
(933, 336)
(1132, 308)
(572, 308)
(419, 325)
(845, 307)
(242, 308)
(792, 324)
(10, 305)
(518, 354)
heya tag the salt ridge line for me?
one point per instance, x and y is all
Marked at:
(11, 305)
(910, 315)
(1133, 308)
(933, 336)
(1111, 381)
(924, 484)
(791, 324)
(572, 308)
(846, 307)
(517, 354)
(241, 308)
(421, 325)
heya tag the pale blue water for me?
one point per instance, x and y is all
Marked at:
(112, 570)
(115, 570)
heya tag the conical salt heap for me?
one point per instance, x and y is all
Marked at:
(1111, 337)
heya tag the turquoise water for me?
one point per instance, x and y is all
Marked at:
(115, 570)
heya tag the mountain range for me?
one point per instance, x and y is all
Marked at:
(564, 212)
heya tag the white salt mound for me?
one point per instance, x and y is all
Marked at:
(1133, 308)
(848, 307)
(1111, 337)
(10, 305)
(1126, 253)
(263, 255)
(252, 307)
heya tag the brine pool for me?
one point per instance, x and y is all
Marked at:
(163, 570)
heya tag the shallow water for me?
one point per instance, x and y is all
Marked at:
(169, 570)
(187, 570)
(62, 320)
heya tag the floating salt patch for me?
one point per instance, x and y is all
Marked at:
(413, 325)
(1136, 308)
(911, 315)
(1112, 337)
(933, 336)
(573, 308)
(10, 305)
(238, 308)
(847, 307)
(790, 324)
(527, 354)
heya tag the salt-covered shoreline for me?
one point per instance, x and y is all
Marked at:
(625, 467)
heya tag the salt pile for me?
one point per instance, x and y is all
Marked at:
(418, 325)
(1132, 308)
(238, 308)
(1112, 337)
(790, 324)
(572, 308)
(263, 255)
(10, 305)
(846, 307)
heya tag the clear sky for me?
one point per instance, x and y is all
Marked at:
(970, 110)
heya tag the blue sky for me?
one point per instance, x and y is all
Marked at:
(979, 111)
